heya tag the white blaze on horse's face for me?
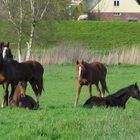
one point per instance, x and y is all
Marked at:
(4, 52)
(80, 68)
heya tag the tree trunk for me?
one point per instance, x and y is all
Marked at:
(29, 44)
(19, 48)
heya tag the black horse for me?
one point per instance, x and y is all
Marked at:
(11, 72)
(117, 99)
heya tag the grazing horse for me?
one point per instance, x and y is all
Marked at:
(11, 72)
(88, 74)
(117, 99)
(20, 99)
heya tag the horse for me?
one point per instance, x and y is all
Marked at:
(20, 99)
(11, 72)
(6, 51)
(88, 74)
(118, 99)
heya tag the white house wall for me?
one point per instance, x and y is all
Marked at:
(125, 6)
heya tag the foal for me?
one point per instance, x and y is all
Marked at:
(117, 99)
(91, 74)
(19, 98)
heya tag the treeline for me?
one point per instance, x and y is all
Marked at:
(25, 17)
(56, 9)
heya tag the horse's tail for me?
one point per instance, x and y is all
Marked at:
(41, 81)
(104, 86)
(107, 90)
(40, 86)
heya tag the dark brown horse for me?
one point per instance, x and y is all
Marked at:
(6, 51)
(117, 99)
(11, 72)
(88, 74)
(20, 99)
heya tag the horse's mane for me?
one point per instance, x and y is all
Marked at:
(120, 92)
(86, 65)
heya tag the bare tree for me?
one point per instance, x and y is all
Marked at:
(18, 24)
(17, 11)
(37, 13)
(31, 12)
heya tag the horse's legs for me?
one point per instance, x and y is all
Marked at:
(78, 94)
(13, 87)
(39, 86)
(36, 91)
(98, 89)
(39, 83)
(5, 96)
(90, 90)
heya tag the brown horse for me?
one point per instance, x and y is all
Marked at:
(117, 99)
(20, 99)
(11, 72)
(88, 74)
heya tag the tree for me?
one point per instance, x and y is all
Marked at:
(31, 12)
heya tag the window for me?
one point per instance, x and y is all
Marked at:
(116, 3)
(117, 14)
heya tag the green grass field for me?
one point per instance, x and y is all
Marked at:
(58, 119)
(90, 34)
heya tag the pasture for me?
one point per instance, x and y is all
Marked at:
(96, 35)
(57, 117)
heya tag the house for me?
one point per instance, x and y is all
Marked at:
(117, 10)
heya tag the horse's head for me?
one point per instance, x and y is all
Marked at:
(22, 88)
(134, 91)
(81, 70)
(6, 51)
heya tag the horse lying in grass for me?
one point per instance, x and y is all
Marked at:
(20, 99)
(117, 99)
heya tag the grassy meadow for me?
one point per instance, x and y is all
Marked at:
(97, 35)
(58, 119)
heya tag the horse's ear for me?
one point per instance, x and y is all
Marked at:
(82, 61)
(136, 84)
(77, 62)
(2, 43)
(8, 44)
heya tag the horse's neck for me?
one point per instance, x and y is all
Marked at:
(88, 67)
(1, 60)
(8, 58)
(125, 97)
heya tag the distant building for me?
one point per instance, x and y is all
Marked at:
(76, 2)
(117, 10)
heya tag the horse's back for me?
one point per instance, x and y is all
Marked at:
(98, 70)
(98, 66)
(16, 71)
(35, 66)
(95, 101)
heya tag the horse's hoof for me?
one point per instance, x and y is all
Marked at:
(37, 105)
(2, 106)
(75, 105)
